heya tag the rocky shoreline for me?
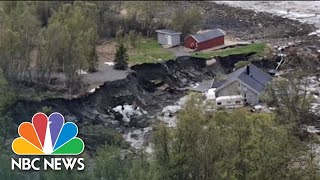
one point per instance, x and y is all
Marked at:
(251, 25)
(291, 36)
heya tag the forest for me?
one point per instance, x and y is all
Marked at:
(40, 39)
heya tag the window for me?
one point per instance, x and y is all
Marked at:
(218, 103)
(238, 102)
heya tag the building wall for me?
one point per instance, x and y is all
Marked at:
(238, 88)
(175, 40)
(211, 43)
(162, 39)
(189, 42)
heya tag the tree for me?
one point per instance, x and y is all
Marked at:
(110, 163)
(11, 54)
(224, 145)
(44, 9)
(20, 25)
(51, 51)
(146, 12)
(7, 99)
(187, 21)
(133, 38)
(293, 104)
(121, 58)
(78, 20)
(109, 18)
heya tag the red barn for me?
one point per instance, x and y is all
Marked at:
(205, 39)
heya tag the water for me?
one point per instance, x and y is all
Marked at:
(303, 11)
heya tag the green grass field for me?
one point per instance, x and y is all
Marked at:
(148, 51)
(259, 48)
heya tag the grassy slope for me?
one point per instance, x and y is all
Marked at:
(148, 51)
(259, 48)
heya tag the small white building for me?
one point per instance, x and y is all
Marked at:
(168, 37)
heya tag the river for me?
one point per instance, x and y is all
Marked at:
(303, 11)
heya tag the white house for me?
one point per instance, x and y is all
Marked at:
(168, 37)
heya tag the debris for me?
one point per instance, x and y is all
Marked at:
(80, 71)
(312, 129)
(257, 107)
(127, 111)
(109, 63)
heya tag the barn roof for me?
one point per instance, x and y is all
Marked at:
(256, 79)
(168, 31)
(208, 34)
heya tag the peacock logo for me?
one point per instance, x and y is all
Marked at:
(48, 136)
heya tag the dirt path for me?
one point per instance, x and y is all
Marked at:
(106, 50)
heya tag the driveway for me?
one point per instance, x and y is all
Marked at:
(179, 51)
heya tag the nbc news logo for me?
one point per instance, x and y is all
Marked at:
(48, 136)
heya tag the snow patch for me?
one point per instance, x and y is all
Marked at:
(93, 90)
(195, 85)
(109, 63)
(128, 110)
(80, 71)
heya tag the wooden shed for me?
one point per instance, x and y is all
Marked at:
(205, 39)
(168, 37)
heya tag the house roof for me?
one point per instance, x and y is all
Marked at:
(208, 34)
(218, 83)
(256, 79)
(168, 31)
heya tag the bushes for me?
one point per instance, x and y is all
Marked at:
(224, 145)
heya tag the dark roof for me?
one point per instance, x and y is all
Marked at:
(208, 34)
(256, 79)
(168, 31)
(219, 83)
